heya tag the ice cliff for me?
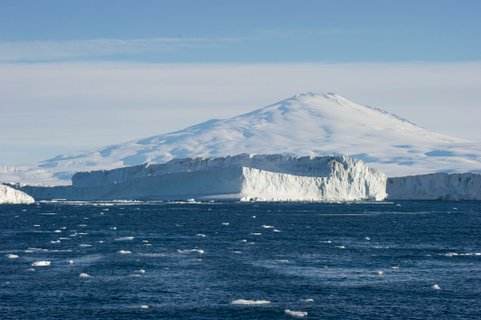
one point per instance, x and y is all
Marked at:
(9, 195)
(443, 186)
(246, 177)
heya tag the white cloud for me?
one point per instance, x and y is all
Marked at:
(69, 106)
(17, 51)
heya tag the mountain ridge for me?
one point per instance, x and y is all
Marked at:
(304, 124)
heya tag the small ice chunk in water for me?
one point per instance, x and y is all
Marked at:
(367, 238)
(276, 230)
(124, 251)
(341, 247)
(225, 223)
(140, 271)
(307, 300)
(12, 256)
(282, 261)
(256, 233)
(250, 302)
(296, 314)
(267, 226)
(84, 275)
(42, 263)
(57, 231)
(70, 261)
(253, 217)
(436, 286)
(124, 239)
(201, 235)
(144, 306)
(379, 273)
(113, 228)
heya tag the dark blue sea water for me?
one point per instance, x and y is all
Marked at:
(401, 260)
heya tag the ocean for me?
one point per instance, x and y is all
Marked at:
(138, 260)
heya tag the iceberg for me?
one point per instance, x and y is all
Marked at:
(10, 195)
(273, 177)
(435, 186)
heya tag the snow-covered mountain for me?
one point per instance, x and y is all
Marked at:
(305, 124)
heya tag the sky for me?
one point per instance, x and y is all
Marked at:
(77, 75)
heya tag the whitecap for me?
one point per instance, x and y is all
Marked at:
(267, 226)
(144, 306)
(250, 302)
(307, 300)
(341, 247)
(124, 239)
(142, 271)
(276, 230)
(225, 223)
(379, 273)
(256, 233)
(326, 241)
(124, 251)
(55, 241)
(367, 238)
(57, 231)
(42, 263)
(199, 251)
(12, 256)
(201, 235)
(113, 228)
(282, 261)
(85, 245)
(296, 314)
(84, 275)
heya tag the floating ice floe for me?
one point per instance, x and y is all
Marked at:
(367, 238)
(436, 286)
(12, 256)
(124, 251)
(225, 223)
(144, 306)
(124, 239)
(84, 275)
(42, 263)
(296, 314)
(250, 302)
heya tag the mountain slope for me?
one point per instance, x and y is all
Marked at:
(306, 124)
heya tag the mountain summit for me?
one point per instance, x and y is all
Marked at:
(305, 124)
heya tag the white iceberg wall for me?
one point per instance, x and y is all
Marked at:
(9, 195)
(349, 180)
(262, 177)
(456, 186)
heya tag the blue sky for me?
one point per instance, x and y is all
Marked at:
(77, 75)
(240, 31)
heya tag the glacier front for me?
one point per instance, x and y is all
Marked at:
(435, 186)
(9, 195)
(242, 177)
